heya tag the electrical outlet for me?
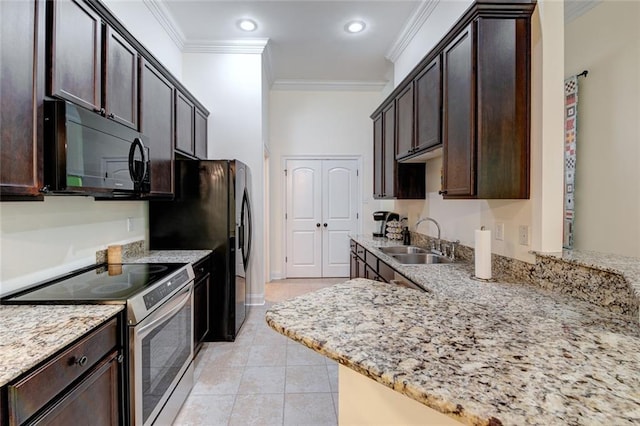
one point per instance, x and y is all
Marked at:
(523, 235)
(499, 232)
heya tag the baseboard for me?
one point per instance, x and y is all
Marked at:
(276, 275)
(255, 299)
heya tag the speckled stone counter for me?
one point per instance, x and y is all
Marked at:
(628, 267)
(168, 256)
(483, 353)
(31, 334)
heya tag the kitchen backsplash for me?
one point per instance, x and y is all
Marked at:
(133, 249)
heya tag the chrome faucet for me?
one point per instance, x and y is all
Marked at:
(437, 245)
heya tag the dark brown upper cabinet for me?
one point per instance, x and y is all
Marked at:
(404, 123)
(428, 100)
(156, 121)
(92, 65)
(486, 103)
(471, 95)
(75, 53)
(378, 155)
(459, 120)
(200, 129)
(121, 89)
(388, 145)
(191, 128)
(185, 125)
(22, 25)
(393, 179)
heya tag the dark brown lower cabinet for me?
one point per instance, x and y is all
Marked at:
(200, 312)
(365, 264)
(80, 383)
(201, 302)
(94, 399)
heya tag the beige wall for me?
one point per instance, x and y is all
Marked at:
(317, 123)
(39, 240)
(606, 42)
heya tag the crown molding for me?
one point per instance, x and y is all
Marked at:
(324, 85)
(573, 9)
(267, 64)
(256, 45)
(165, 19)
(411, 28)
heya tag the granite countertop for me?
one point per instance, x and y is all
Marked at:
(31, 334)
(168, 256)
(629, 267)
(484, 353)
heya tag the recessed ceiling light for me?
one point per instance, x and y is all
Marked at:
(247, 25)
(354, 27)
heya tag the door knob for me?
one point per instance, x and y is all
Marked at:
(317, 225)
(325, 225)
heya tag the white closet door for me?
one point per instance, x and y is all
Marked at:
(304, 216)
(339, 214)
(322, 210)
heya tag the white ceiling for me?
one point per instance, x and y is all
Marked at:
(307, 40)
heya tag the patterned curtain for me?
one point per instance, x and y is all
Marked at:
(570, 134)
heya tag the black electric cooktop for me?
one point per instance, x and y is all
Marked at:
(102, 284)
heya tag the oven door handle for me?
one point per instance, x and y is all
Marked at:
(164, 312)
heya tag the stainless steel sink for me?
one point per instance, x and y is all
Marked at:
(402, 250)
(421, 258)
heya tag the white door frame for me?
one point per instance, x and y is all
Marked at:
(284, 160)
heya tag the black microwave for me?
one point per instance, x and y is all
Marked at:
(88, 154)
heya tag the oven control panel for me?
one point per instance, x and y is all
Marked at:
(166, 288)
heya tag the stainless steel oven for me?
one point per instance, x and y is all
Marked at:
(157, 371)
(161, 351)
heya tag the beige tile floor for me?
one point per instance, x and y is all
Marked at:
(264, 378)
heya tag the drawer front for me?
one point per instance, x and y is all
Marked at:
(31, 393)
(201, 268)
(360, 251)
(371, 260)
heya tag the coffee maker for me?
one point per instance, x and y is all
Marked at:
(381, 218)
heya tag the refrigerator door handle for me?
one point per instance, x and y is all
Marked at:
(246, 250)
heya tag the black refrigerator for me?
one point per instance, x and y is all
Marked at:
(211, 211)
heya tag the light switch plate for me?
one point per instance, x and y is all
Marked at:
(499, 232)
(523, 235)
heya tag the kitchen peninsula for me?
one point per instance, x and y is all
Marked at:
(481, 353)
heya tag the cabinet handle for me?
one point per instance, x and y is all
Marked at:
(317, 225)
(100, 111)
(443, 192)
(111, 115)
(82, 361)
(325, 225)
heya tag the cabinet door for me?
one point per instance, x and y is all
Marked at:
(503, 108)
(156, 115)
(184, 124)
(361, 269)
(76, 54)
(378, 154)
(459, 122)
(353, 268)
(404, 122)
(200, 311)
(95, 397)
(22, 88)
(428, 105)
(121, 89)
(389, 153)
(201, 135)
